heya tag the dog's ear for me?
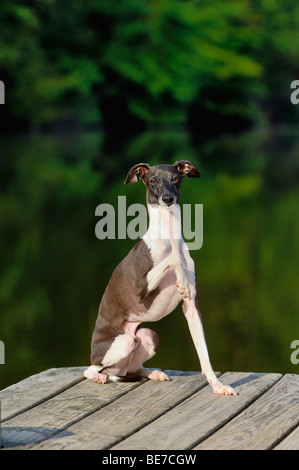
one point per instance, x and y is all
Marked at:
(187, 168)
(137, 172)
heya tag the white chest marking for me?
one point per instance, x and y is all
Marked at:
(164, 238)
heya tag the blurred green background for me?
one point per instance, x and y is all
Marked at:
(93, 87)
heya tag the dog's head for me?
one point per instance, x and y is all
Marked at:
(163, 182)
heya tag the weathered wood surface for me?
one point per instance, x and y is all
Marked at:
(60, 409)
(264, 423)
(37, 388)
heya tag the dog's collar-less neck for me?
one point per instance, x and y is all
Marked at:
(164, 222)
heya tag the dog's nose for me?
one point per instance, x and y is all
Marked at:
(168, 199)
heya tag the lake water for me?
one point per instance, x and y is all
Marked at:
(54, 269)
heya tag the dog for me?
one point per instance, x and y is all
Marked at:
(148, 284)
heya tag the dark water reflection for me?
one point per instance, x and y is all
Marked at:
(54, 270)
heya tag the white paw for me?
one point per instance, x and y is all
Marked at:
(100, 378)
(183, 287)
(91, 372)
(158, 375)
(223, 389)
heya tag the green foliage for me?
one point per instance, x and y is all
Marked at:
(59, 59)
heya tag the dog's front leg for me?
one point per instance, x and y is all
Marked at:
(156, 274)
(192, 315)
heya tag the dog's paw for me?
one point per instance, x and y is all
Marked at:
(220, 389)
(100, 378)
(183, 287)
(158, 375)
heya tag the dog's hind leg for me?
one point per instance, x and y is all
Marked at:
(116, 360)
(147, 348)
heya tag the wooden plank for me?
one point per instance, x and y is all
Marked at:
(264, 423)
(291, 442)
(59, 412)
(37, 388)
(127, 414)
(200, 415)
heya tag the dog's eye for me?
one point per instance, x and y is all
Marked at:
(174, 179)
(154, 180)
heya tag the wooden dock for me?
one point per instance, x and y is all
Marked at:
(60, 409)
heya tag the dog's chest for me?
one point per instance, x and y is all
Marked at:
(162, 241)
(164, 300)
(161, 249)
(167, 297)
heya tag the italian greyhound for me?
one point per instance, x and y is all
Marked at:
(148, 284)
